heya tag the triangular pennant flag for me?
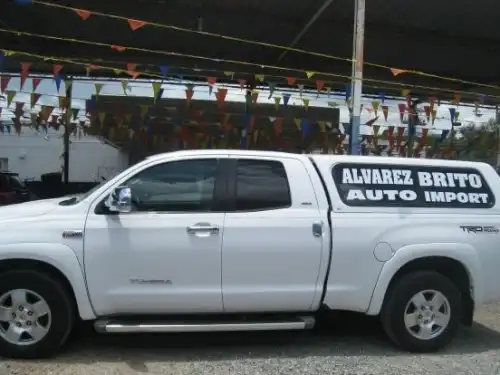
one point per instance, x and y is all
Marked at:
(272, 88)
(385, 111)
(156, 90)
(260, 77)
(189, 93)
(278, 126)
(319, 86)
(34, 99)
(432, 102)
(310, 74)
(242, 83)
(433, 116)
(277, 101)
(322, 126)
(376, 129)
(17, 125)
(164, 71)
(74, 113)
(405, 92)
(456, 98)
(229, 75)
(98, 88)
(291, 80)
(34, 118)
(427, 110)
(68, 83)
(19, 110)
(25, 70)
(255, 96)
(306, 103)
(402, 109)
(144, 109)
(347, 88)
(63, 103)
(58, 80)
(457, 115)
(298, 123)
(286, 99)
(131, 67)
(36, 82)
(382, 96)
(46, 112)
(83, 14)
(135, 24)
(397, 72)
(211, 83)
(56, 69)
(301, 89)
(4, 82)
(304, 125)
(375, 106)
(221, 96)
(452, 114)
(10, 97)
(124, 86)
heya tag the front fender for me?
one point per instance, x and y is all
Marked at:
(462, 253)
(62, 258)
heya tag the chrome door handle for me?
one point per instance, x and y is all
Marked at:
(202, 227)
(317, 229)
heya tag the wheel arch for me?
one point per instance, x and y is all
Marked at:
(457, 262)
(56, 260)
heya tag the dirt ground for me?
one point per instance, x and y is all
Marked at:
(350, 345)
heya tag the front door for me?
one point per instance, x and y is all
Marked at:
(165, 255)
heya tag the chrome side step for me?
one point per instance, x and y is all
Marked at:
(115, 326)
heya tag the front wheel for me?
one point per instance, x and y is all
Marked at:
(36, 314)
(422, 312)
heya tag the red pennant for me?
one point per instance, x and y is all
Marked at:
(189, 94)
(84, 14)
(402, 150)
(427, 110)
(56, 69)
(92, 67)
(402, 109)
(423, 139)
(319, 85)
(135, 24)
(25, 70)
(221, 96)
(252, 123)
(278, 126)
(118, 48)
(36, 82)
(385, 111)
(242, 83)
(17, 125)
(131, 67)
(255, 96)
(4, 81)
(291, 80)
(211, 80)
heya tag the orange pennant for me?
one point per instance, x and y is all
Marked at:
(397, 72)
(131, 67)
(84, 14)
(135, 24)
(278, 126)
(118, 48)
(319, 85)
(291, 80)
(221, 96)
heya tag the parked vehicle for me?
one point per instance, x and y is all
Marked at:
(215, 240)
(13, 189)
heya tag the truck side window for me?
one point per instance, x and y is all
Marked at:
(261, 185)
(178, 186)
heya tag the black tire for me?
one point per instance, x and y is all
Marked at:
(398, 297)
(61, 307)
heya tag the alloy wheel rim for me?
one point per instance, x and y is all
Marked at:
(427, 314)
(25, 317)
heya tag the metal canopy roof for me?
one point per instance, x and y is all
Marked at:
(446, 38)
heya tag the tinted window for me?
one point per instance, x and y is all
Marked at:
(4, 183)
(261, 185)
(181, 186)
(379, 185)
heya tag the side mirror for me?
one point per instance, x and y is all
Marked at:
(120, 200)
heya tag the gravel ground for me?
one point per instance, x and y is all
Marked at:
(351, 345)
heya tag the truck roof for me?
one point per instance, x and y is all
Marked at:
(321, 158)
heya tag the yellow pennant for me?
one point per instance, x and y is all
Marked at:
(306, 103)
(322, 126)
(277, 101)
(156, 89)
(10, 97)
(125, 86)
(298, 121)
(260, 77)
(144, 110)
(310, 74)
(98, 88)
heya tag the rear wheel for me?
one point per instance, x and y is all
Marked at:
(422, 312)
(36, 314)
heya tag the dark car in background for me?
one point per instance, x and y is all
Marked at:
(13, 189)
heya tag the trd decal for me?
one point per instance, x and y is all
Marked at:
(479, 229)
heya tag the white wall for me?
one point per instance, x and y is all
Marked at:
(32, 154)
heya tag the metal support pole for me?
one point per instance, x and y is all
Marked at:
(67, 131)
(357, 75)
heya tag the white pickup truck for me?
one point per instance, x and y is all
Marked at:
(228, 240)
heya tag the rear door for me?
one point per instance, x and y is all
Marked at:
(271, 255)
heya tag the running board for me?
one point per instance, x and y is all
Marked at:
(116, 326)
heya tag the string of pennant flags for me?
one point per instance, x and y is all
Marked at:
(309, 74)
(134, 25)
